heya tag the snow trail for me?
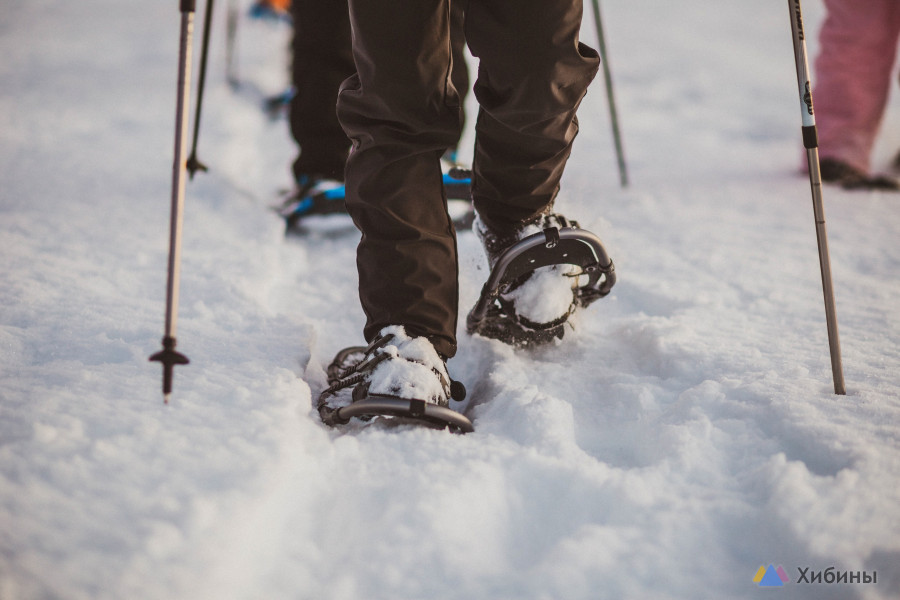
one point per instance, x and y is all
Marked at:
(682, 435)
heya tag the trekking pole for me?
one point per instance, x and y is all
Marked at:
(231, 24)
(193, 164)
(613, 114)
(168, 356)
(811, 143)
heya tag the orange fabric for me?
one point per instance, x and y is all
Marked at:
(279, 5)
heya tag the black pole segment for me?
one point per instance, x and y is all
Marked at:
(188, 6)
(610, 97)
(810, 137)
(193, 163)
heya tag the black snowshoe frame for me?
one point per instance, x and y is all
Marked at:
(416, 412)
(567, 245)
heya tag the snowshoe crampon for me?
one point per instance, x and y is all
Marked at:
(495, 317)
(347, 397)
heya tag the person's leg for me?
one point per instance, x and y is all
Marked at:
(532, 76)
(460, 71)
(858, 47)
(322, 60)
(402, 112)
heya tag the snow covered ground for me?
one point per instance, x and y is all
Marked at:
(683, 436)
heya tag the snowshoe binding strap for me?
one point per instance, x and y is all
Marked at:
(493, 317)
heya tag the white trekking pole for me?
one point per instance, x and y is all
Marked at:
(613, 113)
(811, 143)
(168, 356)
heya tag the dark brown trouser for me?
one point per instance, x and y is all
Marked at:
(401, 112)
(322, 60)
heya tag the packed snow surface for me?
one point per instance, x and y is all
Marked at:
(683, 436)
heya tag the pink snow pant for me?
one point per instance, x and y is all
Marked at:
(858, 46)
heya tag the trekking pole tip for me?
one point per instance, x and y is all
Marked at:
(169, 358)
(193, 165)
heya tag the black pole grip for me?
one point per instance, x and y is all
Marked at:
(188, 6)
(810, 137)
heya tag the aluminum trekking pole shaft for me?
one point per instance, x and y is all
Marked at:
(613, 113)
(811, 143)
(168, 356)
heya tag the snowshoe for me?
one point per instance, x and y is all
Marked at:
(397, 377)
(278, 105)
(317, 196)
(458, 187)
(540, 275)
(314, 195)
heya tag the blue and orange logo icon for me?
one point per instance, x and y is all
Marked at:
(771, 576)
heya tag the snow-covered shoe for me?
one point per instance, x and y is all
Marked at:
(397, 376)
(541, 273)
